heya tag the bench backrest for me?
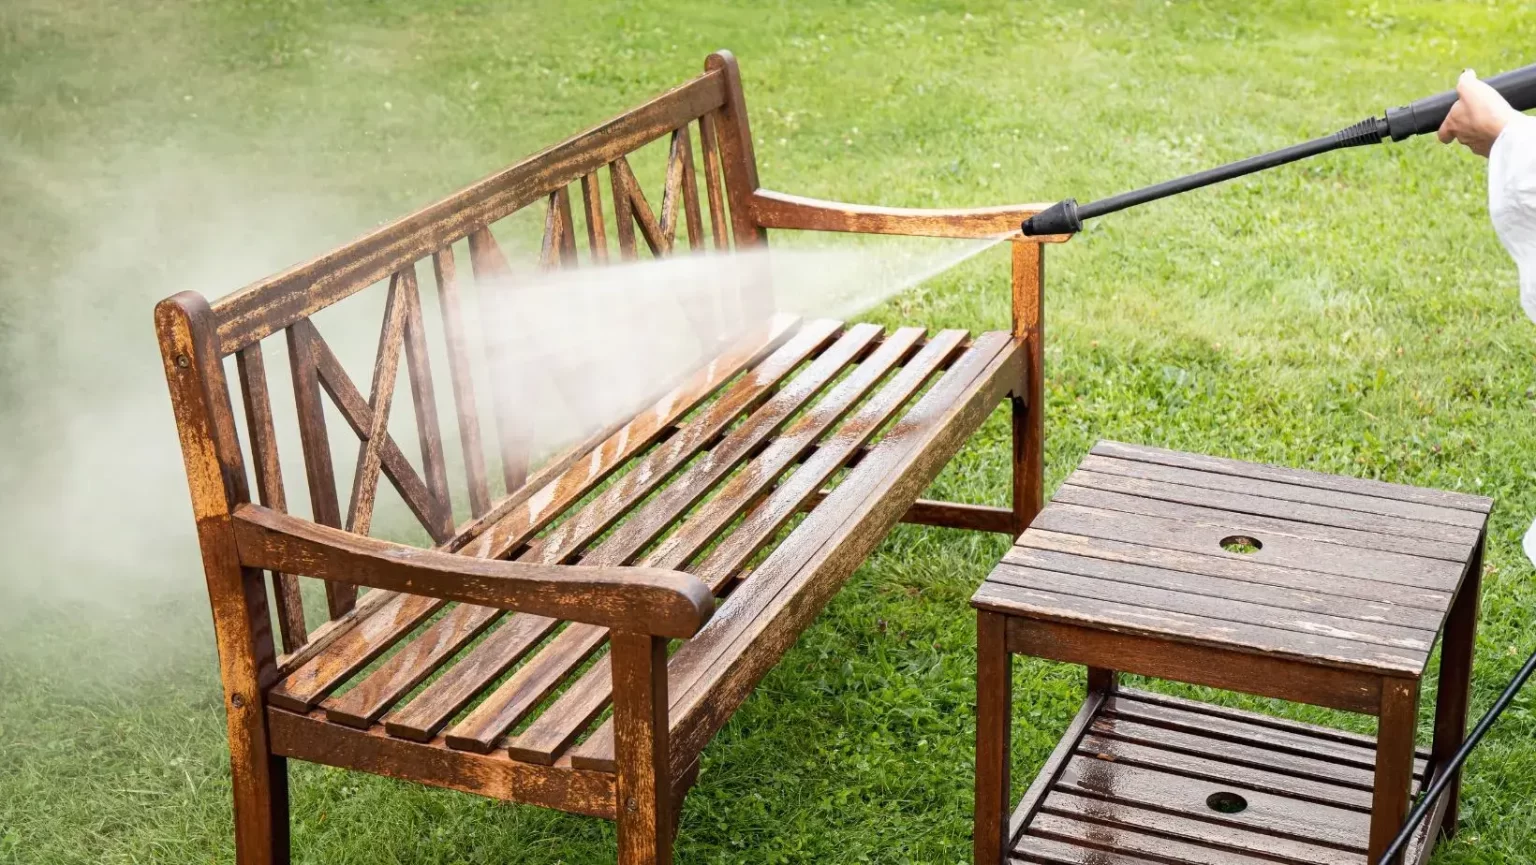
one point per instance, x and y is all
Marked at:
(565, 181)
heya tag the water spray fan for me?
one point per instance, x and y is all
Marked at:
(1416, 118)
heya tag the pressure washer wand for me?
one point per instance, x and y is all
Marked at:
(1417, 118)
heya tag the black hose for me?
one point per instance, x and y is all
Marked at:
(1443, 775)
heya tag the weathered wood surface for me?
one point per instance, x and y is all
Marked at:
(1121, 791)
(779, 210)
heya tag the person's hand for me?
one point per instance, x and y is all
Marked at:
(1478, 116)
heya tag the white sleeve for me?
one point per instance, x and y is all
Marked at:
(1512, 200)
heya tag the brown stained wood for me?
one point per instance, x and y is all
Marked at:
(639, 209)
(713, 673)
(1282, 550)
(1282, 815)
(325, 507)
(321, 638)
(367, 700)
(365, 480)
(272, 304)
(994, 733)
(525, 689)
(1180, 599)
(421, 717)
(1369, 614)
(1050, 772)
(1211, 833)
(767, 517)
(359, 416)
(309, 737)
(651, 600)
(558, 247)
(1137, 843)
(1237, 753)
(564, 720)
(1402, 532)
(672, 187)
(242, 625)
(429, 432)
(1300, 477)
(1281, 491)
(269, 485)
(719, 227)
(592, 204)
(690, 182)
(656, 467)
(301, 689)
(1042, 604)
(1261, 526)
(1456, 653)
(1264, 674)
(1396, 725)
(1270, 734)
(494, 276)
(462, 378)
(1027, 401)
(694, 482)
(623, 208)
(644, 773)
(1368, 598)
(1215, 769)
(787, 449)
(738, 163)
(778, 210)
(761, 375)
(1048, 851)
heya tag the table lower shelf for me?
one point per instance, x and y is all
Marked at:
(1144, 778)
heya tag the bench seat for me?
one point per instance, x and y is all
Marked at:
(845, 424)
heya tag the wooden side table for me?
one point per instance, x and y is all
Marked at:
(1270, 581)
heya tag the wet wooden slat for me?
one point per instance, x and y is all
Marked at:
(352, 651)
(365, 480)
(325, 505)
(1128, 618)
(1283, 815)
(1280, 491)
(709, 678)
(1049, 851)
(269, 485)
(1367, 598)
(1260, 526)
(1327, 558)
(424, 402)
(1244, 503)
(1299, 477)
(506, 706)
(690, 183)
(1223, 589)
(719, 227)
(462, 378)
(492, 276)
(1181, 600)
(592, 203)
(423, 715)
(564, 720)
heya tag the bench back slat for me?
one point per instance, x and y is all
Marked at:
(472, 220)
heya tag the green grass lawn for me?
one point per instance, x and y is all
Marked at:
(1354, 314)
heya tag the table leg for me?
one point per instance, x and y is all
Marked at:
(994, 705)
(1396, 726)
(1456, 649)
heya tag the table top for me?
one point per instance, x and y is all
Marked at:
(1334, 570)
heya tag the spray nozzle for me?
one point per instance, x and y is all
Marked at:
(1059, 218)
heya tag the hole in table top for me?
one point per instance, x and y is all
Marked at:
(1226, 802)
(1241, 544)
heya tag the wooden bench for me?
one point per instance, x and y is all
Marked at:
(487, 663)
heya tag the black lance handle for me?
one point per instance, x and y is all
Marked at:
(1416, 118)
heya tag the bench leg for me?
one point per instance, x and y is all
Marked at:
(994, 707)
(1456, 649)
(1028, 398)
(640, 732)
(261, 811)
(1396, 726)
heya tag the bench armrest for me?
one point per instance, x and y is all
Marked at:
(778, 210)
(651, 601)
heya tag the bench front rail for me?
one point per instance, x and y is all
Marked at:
(530, 653)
